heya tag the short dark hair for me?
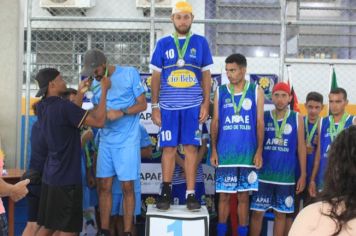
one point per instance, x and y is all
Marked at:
(237, 58)
(314, 96)
(339, 91)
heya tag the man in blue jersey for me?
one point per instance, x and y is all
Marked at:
(117, 210)
(180, 86)
(119, 148)
(313, 105)
(284, 144)
(179, 183)
(60, 121)
(330, 127)
(236, 141)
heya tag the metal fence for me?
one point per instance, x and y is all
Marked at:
(60, 31)
(307, 34)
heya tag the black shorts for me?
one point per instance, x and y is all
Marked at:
(61, 208)
(33, 202)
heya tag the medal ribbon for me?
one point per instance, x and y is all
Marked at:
(237, 108)
(333, 131)
(87, 156)
(278, 130)
(181, 51)
(310, 135)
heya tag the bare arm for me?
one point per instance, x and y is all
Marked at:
(312, 185)
(206, 86)
(82, 88)
(146, 152)
(97, 117)
(260, 128)
(15, 192)
(155, 88)
(214, 127)
(203, 149)
(140, 105)
(302, 155)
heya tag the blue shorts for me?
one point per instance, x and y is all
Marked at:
(90, 197)
(180, 127)
(118, 203)
(124, 162)
(236, 179)
(276, 196)
(178, 193)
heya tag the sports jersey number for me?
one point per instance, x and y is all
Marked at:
(170, 54)
(166, 135)
(175, 227)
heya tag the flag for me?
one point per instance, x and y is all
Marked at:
(333, 81)
(294, 105)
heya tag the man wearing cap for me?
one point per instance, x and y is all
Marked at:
(119, 148)
(284, 144)
(180, 86)
(60, 207)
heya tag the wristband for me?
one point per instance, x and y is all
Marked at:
(154, 105)
(124, 111)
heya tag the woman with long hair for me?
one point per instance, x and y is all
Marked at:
(335, 212)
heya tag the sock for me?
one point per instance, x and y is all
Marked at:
(221, 229)
(242, 230)
(166, 187)
(189, 192)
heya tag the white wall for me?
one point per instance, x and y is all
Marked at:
(10, 79)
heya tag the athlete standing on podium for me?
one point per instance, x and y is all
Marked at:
(180, 85)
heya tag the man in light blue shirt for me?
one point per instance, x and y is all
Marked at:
(119, 147)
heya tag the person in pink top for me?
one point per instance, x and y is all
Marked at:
(16, 192)
(3, 220)
(335, 212)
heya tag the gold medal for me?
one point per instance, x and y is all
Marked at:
(310, 149)
(280, 141)
(316, 139)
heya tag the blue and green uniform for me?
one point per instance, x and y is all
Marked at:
(325, 142)
(310, 156)
(277, 175)
(237, 140)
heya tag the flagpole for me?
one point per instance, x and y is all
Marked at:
(289, 76)
(330, 83)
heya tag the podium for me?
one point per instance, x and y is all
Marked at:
(177, 221)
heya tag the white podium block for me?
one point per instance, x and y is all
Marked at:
(177, 221)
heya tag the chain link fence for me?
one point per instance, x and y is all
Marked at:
(62, 30)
